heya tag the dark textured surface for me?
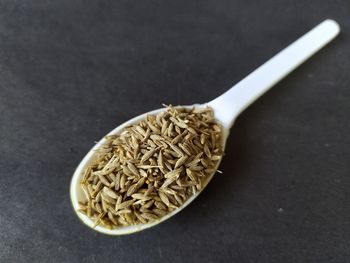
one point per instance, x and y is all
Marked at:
(70, 71)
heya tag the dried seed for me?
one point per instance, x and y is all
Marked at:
(195, 160)
(86, 174)
(147, 155)
(152, 161)
(111, 217)
(89, 209)
(94, 180)
(149, 216)
(170, 154)
(151, 144)
(185, 149)
(203, 138)
(133, 169)
(145, 210)
(139, 217)
(124, 211)
(117, 182)
(134, 132)
(124, 205)
(110, 192)
(173, 173)
(164, 198)
(134, 143)
(98, 197)
(177, 129)
(160, 205)
(159, 212)
(111, 177)
(156, 137)
(159, 118)
(207, 151)
(138, 196)
(170, 129)
(98, 207)
(191, 130)
(107, 198)
(164, 126)
(197, 168)
(126, 170)
(217, 128)
(190, 174)
(132, 189)
(201, 110)
(178, 199)
(148, 204)
(215, 157)
(122, 181)
(178, 123)
(209, 171)
(149, 191)
(168, 182)
(119, 200)
(176, 149)
(142, 173)
(168, 166)
(122, 221)
(204, 163)
(98, 219)
(193, 190)
(103, 179)
(153, 128)
(86, 192)
(181, 161)
(148, 133)
(140, 130)
(147, 166)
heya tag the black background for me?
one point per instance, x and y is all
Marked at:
(70, 71)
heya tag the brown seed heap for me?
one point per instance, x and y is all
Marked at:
(152, 167)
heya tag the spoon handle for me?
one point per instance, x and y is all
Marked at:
(230, 104)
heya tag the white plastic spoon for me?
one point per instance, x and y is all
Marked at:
(226, 108)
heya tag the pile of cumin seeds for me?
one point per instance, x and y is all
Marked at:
(152, 167)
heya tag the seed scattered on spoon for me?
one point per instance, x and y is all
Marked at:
(152, 167)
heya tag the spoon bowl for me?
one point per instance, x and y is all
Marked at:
(226, 109)
(76, 192)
